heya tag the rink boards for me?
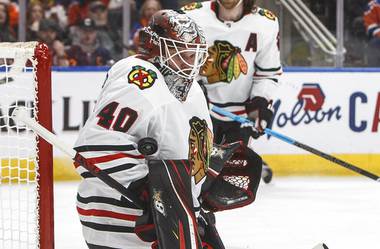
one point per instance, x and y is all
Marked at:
(336, 111)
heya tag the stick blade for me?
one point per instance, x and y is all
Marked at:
(20, 113)
(320, 246)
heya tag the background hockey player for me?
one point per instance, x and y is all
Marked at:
(152, 95)
(242, 70)
(371, 19)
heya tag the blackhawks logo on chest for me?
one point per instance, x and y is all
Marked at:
(200, 146)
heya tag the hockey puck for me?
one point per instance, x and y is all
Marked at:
(147, 146)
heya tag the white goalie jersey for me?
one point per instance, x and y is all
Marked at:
(136, 103)
(244, 56)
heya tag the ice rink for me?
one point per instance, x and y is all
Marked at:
(289, 213)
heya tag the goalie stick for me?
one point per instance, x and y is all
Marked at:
(299, 145)
(147, 145)
(321, 246)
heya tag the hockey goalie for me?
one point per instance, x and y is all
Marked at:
(153, 94)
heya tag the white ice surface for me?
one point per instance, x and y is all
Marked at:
(290, 213)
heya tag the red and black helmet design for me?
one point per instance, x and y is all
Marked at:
(172, 34)
(172, 25)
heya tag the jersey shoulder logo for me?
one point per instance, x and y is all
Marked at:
(200, 147)
(142, 77)
(268, 14)
(224, 63)
(192, 6)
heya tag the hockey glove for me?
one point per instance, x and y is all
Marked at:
(258, 110)
(219, 156)
(230, 185)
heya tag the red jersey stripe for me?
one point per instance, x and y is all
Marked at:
(104, 213)
(103, 159)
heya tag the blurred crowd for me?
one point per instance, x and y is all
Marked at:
(89, 32)
(81, 32)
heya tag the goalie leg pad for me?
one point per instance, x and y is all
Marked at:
(172, 204)
(145, 228)
(207, 230)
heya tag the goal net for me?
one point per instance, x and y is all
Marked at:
(26, 189)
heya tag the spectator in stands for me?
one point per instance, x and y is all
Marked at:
(78, 10)
(7, 34)
(56, 11)
(64, 3)
(147, 10)
(354, 33)
(167, 4)
(108, 36)
(372, 24)
(114, 4)
(49, 33)
(115, 10)
(13, 13)
(88, 51)
(35, 13)
(170, 4)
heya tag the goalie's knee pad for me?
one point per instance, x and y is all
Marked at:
(172, 204)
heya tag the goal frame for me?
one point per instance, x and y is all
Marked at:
(45, 170)
(40, 56)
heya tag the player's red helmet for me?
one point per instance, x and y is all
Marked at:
(176, 41)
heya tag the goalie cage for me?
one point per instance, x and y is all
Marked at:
(26, 178)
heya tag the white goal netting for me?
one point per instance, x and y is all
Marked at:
(19, 157)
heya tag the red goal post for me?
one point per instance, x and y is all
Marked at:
(26, 163)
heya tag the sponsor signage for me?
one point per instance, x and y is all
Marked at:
(335, 112)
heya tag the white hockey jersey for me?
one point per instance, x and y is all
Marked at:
(135, 103)
(244, 57)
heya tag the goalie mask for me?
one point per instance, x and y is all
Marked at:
(178, 45)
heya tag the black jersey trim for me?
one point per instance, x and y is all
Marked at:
(274, 69)
(92, 246)
(230, 104)
(107, 228)
(112, 170)
(197, 209)
(275, 80)
(123, 202)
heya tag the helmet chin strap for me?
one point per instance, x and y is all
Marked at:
(230, 14)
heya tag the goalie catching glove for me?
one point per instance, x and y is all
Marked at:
(258, 111)
(231, 182)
